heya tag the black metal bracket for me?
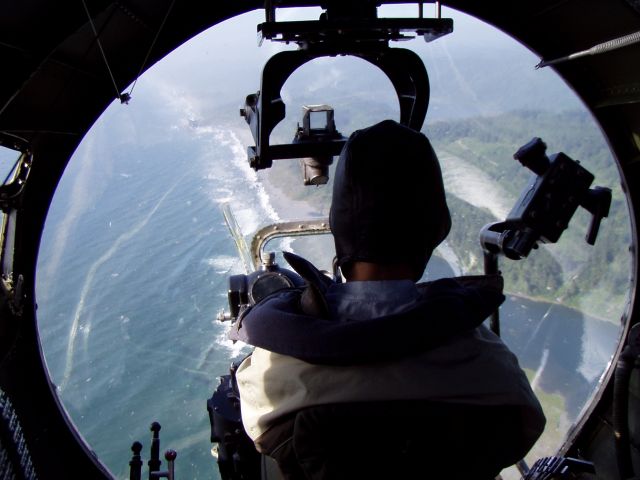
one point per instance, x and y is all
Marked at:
(346, 27)
(237, 457)
(265, 109)
(547, 204)
(543, 211)
(341, 31)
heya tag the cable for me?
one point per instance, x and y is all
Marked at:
(144, 62)
(104, 57)
(596, 50)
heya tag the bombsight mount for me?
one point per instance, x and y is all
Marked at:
(344, 28)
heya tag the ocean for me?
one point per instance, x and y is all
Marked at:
(133, 270)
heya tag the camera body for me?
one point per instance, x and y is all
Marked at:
(542, 213)
(247, 290)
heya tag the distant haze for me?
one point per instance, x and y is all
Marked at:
(477, 70)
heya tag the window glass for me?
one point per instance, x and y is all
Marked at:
(136, 253)
(8, 158)
(8, 163)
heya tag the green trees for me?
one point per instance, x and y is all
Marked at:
(591, 278)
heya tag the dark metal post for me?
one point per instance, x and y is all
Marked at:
(135, 465)
(270, 11)
(491, 268)
(170, 457)
(154, 461)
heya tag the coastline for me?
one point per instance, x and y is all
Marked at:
(556, 303)
(286, 208)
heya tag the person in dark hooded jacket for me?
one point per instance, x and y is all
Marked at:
(380, 377)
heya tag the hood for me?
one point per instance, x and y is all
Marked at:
(388, 180)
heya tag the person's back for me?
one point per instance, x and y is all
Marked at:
(379, 377)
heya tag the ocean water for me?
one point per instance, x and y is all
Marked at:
(134, 266)
(133, 269)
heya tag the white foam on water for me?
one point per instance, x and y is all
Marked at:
(224, 264)
(235, 182)
(234, 349)
(248, 216)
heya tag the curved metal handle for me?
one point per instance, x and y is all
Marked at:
(265, 109)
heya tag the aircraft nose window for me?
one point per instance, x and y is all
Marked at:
(137, 253)
(8, 158)
(8, 164)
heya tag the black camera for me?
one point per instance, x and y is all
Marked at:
(246, 290)
(543, 211)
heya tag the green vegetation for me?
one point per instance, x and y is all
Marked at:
(592, 279)
(539, 276)
(491, 141)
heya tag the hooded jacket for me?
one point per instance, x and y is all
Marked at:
(380, 340)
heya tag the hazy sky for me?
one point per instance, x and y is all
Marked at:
(230, 50)
(476, 70)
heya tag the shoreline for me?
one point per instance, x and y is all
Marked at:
(287, 209)
(555, 303)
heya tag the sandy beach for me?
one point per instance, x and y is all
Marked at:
(286, 207)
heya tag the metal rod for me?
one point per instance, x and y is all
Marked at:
(270, 11)
(154, 462)
(596, 49)
(153, 43)
(135, 465)
(491, 268)
(104, 56)
(170, 457)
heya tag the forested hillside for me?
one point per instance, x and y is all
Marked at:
(595, 278)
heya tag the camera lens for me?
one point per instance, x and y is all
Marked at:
(267, 284)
